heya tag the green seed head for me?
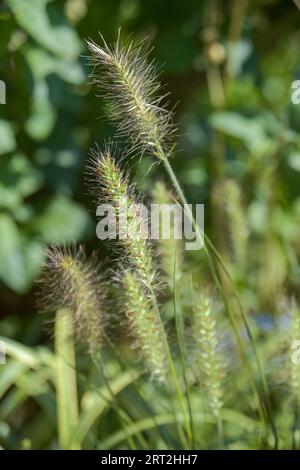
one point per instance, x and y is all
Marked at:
(113, 188)
(144, 325)
(70, 282)
(129, 84)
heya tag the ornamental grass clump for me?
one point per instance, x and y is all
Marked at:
(71, 283)
(129, 85)
(137, 273)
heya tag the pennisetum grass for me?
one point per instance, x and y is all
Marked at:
(143, 325)
(71, 282)
(130, 87)
(129, 84)
(139, 276)
(72, 288)
(112, 187)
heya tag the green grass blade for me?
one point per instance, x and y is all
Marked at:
(66, 386)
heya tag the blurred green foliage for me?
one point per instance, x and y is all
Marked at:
(229, 67)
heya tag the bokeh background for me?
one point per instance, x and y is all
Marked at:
(229, 67)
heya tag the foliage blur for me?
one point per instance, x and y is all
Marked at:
(229, 67)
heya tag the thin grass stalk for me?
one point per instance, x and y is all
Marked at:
(124, 419)
(66, 387)
(137, 391)
(151, 298)
(173, 370)
(183, 359)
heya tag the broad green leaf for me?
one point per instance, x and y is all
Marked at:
(44, 64)
(248, 130)
(42, 118)
(20, 259)
(238, 53)
(51, 31)
(62, 221)
(18, 180)
(11, 259)
(7, 137)
(294, 161)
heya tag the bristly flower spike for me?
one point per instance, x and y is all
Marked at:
(71, 282)
(129, 84)
(144, 326)
(138, 274)
(112, 186)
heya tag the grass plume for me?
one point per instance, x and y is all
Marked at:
(112, 187)
(71, 282)
(144, 326)
(129, 84)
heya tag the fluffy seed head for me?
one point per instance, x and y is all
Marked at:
(129, 85)
(113, 188)
(144, 325)
(209, 362)
(70, 281)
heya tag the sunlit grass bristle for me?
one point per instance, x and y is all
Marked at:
(71, 282)
(113, 188)
(144, 326)
(129, 84)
